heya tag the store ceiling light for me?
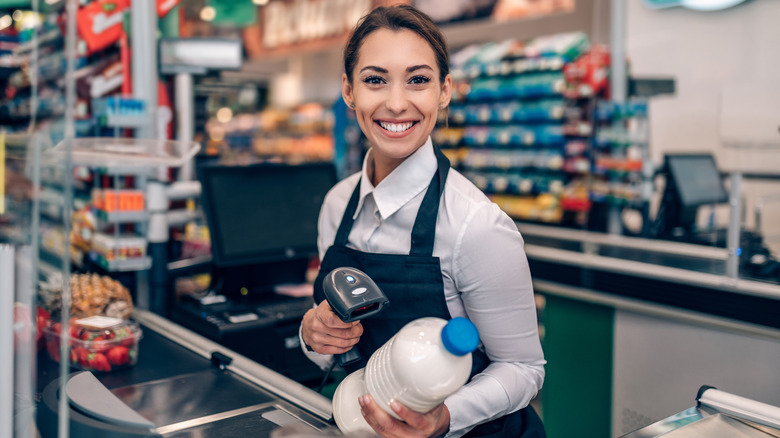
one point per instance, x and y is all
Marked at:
(260, 2)
(5, 21)
(51, 2)
(224, 114)
(208, 13)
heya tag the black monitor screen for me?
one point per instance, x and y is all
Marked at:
(264, 212)
(697, 179)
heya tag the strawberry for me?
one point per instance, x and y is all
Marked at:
(118, 355)
(75, 333)
(99, 362)
(54, 349)
(100, 345)
(81, 355)
(42, 319)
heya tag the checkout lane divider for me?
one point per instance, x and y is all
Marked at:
(741, 407)
(282, 386)
(647, 270)
(612, 240)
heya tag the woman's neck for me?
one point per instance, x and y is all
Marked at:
(382, 167)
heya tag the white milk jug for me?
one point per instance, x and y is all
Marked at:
(425, 362)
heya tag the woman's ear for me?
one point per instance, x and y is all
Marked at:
(346, 91)
(446, 92)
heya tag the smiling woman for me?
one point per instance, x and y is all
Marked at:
(433, 243)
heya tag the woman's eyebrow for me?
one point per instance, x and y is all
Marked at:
(409, 69)
(373, 67)
(418, 67)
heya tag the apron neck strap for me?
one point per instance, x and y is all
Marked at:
(424, 229)
(342, 235)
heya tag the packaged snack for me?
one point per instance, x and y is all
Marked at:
(97, 343)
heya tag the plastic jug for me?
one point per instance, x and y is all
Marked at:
(425, 362)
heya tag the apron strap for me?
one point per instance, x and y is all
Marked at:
(342, 235)
(424, 229)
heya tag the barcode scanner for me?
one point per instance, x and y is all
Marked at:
(352, 295)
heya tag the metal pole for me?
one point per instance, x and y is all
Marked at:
(144, 62)
(735, 225)
(70, 102)
(185, 119)
(618, 78)
(143, 21)
(6, 339)
(617, 90)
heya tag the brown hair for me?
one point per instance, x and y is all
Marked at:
(396, 18)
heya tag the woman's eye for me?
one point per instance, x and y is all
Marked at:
(373, 80)
(419, 80)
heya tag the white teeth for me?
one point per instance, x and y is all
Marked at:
(396, 127)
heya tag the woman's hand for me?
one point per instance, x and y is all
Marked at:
(326, 333)
(433, 423)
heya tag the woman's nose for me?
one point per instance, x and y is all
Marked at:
(397, 101)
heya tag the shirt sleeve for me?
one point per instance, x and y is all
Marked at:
(493, 279)
(323, 361)
(327, 224)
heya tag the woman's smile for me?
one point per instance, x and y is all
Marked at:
(396, 129)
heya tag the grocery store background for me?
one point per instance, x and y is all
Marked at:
(567, 113)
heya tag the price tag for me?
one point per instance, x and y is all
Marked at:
(99, 322)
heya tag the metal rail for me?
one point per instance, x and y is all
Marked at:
(647, 270)
(660, 246)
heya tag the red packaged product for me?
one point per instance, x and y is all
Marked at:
(97, 343)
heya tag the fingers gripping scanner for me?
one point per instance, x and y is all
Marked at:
(352, 295)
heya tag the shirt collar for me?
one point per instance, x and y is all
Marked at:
(405, 182)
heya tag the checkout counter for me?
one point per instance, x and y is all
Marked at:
(632, 327)
(183, 385)
(717, 414)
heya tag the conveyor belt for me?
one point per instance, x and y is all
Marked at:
(180, 390)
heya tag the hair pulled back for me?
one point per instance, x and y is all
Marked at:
(397, 18)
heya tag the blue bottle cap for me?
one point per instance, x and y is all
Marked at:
(460, 336)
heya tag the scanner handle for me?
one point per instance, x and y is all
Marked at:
(347, 358)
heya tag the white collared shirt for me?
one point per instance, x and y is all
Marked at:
(484, 268)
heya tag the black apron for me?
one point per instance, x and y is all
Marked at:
(413, 284)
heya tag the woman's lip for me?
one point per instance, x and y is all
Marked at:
(391, 134)
(396, 122)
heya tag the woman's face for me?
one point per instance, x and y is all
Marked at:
(396, 93)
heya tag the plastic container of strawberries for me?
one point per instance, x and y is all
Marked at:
(97, 343)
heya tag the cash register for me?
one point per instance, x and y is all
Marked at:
(693, 181)
(263, 224)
